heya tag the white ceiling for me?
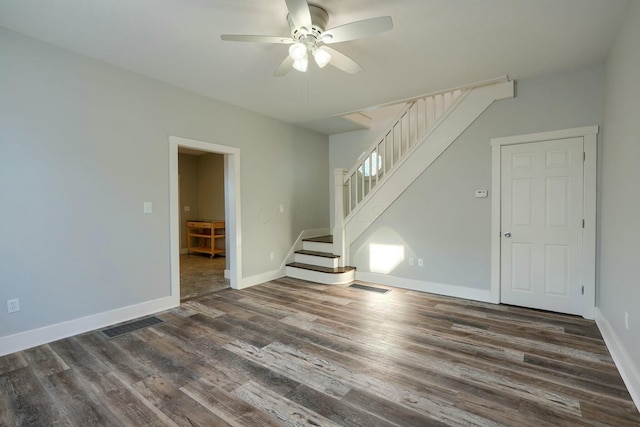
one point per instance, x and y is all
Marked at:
(435, 44)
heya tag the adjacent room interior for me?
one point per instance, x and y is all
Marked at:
(202, 223)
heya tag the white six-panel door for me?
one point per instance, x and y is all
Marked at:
(542, 225)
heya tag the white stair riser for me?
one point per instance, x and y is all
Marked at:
(316, 260)
(319, 277)
(317, 246)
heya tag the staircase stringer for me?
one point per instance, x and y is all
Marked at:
(435, 142)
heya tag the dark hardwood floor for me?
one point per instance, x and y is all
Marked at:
(294, 353)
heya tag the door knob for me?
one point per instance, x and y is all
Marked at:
(507, 234)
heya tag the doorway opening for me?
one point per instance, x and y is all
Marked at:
(202, 223)
(205, 254)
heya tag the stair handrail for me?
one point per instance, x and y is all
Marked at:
(488, 82)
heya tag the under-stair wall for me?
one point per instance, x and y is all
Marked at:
(355, 209)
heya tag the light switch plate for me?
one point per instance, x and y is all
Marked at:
(148, 207)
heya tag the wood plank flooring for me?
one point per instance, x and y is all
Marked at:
(294, 353)
(201, 275)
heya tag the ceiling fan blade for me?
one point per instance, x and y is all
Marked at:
(342, 61)
(256, 39)
(299, 13)
(285, 67)
(357, 30)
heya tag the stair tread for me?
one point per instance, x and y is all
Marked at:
(319, 239)
(316, 253)
(337, 270)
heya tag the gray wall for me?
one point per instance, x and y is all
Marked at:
(438, 218)
(211, 186)
(619, 285)
(83, 144)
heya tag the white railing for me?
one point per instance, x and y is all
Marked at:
(398, 140)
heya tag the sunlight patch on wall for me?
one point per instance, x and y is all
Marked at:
(385, 258)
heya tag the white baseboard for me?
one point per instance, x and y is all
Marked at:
(261, 278)
(483, 295)
(624, 363)
(47, 334)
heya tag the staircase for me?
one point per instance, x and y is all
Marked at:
(425, 128)
(317, 263)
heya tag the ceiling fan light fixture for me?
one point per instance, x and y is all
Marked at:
(298, 51)
(322, 57)
(308, 30)
(301, 64)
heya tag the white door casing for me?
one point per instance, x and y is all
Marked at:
(543, 189)
(231, 202)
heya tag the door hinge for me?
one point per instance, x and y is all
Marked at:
(584, 156)
(583, 290)
(583, 223)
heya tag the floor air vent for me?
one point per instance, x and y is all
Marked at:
(369, 288)
(116, 331)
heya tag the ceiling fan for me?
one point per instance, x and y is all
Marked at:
(309, 37)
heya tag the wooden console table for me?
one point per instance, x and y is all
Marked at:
(206, 237)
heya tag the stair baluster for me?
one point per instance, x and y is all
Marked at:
(404, 134)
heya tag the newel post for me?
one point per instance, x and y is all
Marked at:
(338, 216)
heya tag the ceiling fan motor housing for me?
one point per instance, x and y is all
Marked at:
(319, 20)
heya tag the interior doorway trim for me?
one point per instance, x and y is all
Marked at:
(589, 135)
(231, 201)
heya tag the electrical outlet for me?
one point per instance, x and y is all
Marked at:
(411, 262)
(420, 262)
(147, 207)
(281, 208)
(187, 208)
(13, 305)
(626, 320)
